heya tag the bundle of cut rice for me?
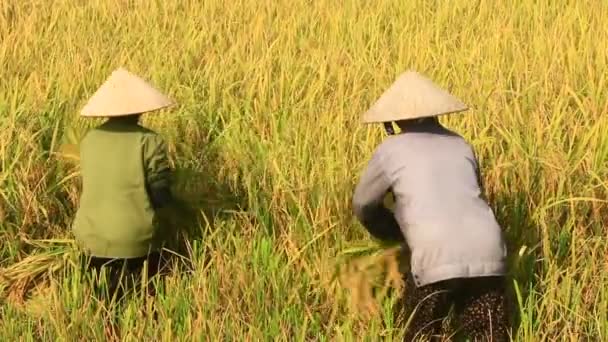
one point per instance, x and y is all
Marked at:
(369, 273)
(35, 270)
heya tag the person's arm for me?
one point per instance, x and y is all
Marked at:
(368, 203)
(158, 171)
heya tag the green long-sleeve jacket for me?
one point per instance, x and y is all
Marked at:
(123, 165)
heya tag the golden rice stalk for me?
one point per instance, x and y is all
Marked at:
(33, 271)
(369, 275)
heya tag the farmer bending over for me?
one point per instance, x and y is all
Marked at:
(126, 179)
(455, 244)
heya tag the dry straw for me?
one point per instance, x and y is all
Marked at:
(35, 271)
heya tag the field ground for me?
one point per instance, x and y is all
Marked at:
(269, 146)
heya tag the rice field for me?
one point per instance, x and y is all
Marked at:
(268, 146)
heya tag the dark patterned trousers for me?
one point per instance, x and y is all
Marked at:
(479, 303)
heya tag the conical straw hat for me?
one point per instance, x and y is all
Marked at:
(412, 96)
(123, 94)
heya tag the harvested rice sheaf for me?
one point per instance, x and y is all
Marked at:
(35, 270)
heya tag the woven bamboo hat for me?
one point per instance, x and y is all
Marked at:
(124, 94)
(412, 96)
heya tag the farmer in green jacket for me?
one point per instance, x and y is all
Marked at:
(126, 179)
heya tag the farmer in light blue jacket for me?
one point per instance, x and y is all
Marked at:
(454, 241)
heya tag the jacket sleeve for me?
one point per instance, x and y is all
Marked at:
(158, 171)
(478, 174)
(368, 203)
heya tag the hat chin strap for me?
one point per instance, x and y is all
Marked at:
(388, 126)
